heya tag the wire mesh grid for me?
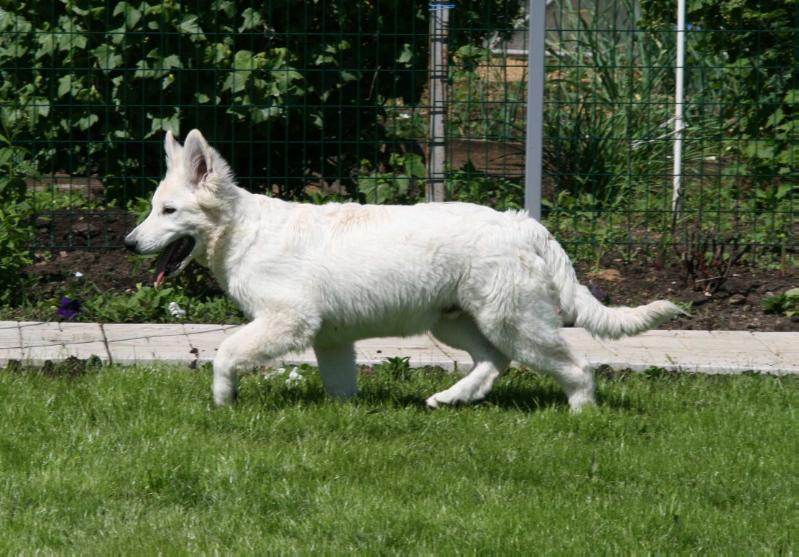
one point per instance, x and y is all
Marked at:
(330, 100)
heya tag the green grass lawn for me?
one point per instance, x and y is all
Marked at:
(137, 461)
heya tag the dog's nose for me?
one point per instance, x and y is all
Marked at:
(132, 245)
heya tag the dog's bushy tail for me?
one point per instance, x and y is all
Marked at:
(616, 322)
(581, 308)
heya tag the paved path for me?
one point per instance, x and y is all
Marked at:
(690, 351)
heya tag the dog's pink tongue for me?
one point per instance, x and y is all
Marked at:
(160, 279)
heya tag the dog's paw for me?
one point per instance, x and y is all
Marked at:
(224, 397)
(432, 403)
(581, 400)
(446, 398)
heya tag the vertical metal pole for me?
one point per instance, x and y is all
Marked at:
(676, 196)
(436, 158)
(535, 107)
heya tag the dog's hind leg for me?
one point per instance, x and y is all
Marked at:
(572, 373)
(338, 371)
(259, 341)
(540, 346)
(489, 362)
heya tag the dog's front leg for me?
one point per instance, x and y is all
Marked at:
(338, 371)
(261, 340)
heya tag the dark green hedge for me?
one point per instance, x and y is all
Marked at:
(288, 90)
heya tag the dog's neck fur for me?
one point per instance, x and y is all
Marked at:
(219, 239)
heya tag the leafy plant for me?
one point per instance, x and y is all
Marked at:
(403, 122)
(400, 182)
(16, 231)
(140, 207)
(469, 184)
(396, 368)
(86, 302)
(585, 224)
(755, 55)
(149, 304)
(786, 303)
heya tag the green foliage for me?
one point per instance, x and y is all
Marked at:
(469, 184)
(608, 118)
(484, 104)
(609, 128)
(140, 207)
(145, 304)
(16, 214)
(401, 182)
(396, 368)
(585, 224)
(751, 44)
(270, 74)
(786, 303)
(403, 122)
(151, 305)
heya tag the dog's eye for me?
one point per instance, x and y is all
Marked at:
(168, 210)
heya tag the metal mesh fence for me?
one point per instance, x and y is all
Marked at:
(330, 100)
(610, 128)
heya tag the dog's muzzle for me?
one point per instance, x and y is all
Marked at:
(131, 245)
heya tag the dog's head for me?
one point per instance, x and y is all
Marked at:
(186, 206)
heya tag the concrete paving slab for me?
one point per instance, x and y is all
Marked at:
(10, 342)
(296, 359)
(58, 341)
(590, 348)
(700, 352)
(205, 340)
(690, 351)
(130, 344)
(421, 350)
(784, 345)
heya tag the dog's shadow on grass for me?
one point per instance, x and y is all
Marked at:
(526, 398)
(519, 392)
(535, 399)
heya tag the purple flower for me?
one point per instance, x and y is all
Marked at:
(68, 309)
(597, 291)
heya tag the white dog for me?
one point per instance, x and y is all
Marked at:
(496, 285)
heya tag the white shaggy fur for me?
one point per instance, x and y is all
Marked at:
(496, 285)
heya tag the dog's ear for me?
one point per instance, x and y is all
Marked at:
(172, 148)
(197, 157)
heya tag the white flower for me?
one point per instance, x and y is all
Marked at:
(176, 311)
(78, 274)
(294, 377)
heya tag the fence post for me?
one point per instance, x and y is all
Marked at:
(535, 107)
(676, 197)
(436, 155)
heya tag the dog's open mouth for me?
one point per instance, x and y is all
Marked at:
(170, 262)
